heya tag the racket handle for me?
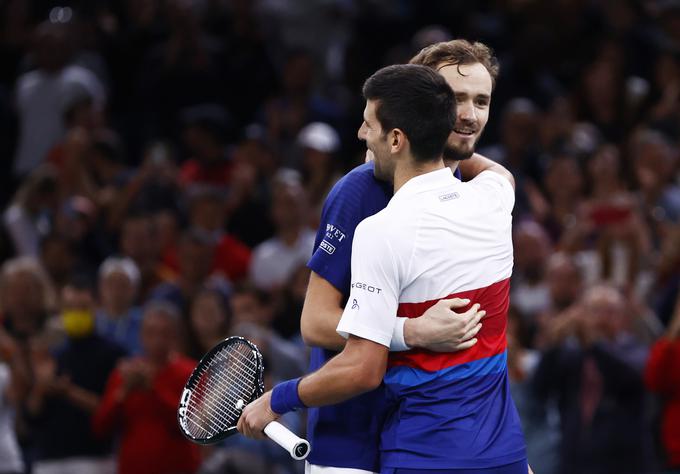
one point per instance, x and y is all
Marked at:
(296, 446)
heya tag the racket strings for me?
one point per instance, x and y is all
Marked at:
(218, 398)
(230, 377)
(213, 409)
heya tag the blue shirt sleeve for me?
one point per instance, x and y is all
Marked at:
(356, 196)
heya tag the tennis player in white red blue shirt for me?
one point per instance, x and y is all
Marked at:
(437, 237)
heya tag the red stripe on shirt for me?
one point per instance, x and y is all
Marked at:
(491, 340)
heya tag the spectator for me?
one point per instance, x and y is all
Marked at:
(320, 144)
(118, 318)
(141, 400)
(540, 419)
(298, 104)
(138, 242)
(662, 377)
(532, 248)
(29, 217)
(204, 135)
(42, 94)
(248, 201)
(274, 260)
(27, 297)
(655, 161)
(67, 388)
(196, 255)
(207, 213)
(209, 321)
(10, 455)
(593, 368)
(60, 258)
(252, 314)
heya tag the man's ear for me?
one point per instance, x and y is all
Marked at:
(397, 140)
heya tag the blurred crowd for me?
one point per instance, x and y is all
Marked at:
(164, 167)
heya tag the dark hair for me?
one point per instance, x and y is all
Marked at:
(416, 100)
(458, 52)
(249, 289)
(81, 282)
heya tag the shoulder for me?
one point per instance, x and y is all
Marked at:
(489, 183)
(380, 231)
(358, 183)
(356, 196)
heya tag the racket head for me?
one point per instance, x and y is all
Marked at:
(226, 379)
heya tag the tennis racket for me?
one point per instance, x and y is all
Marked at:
(225, 380)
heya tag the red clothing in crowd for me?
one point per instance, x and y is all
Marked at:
(195, 172)
(232, 258)
(662, 376)
(150, 441)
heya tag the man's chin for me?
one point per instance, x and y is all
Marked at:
(457, 154)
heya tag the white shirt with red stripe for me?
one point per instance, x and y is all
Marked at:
(438, 237)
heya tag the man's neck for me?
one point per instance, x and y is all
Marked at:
(412, 169)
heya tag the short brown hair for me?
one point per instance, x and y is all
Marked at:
(458, 52)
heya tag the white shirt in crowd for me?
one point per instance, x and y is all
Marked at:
(41, 99)
(274, 262)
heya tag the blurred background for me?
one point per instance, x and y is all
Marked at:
(164, 164)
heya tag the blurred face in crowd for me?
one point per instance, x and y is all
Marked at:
(207, 212)
(288, 206)
(531, 247)
(654, 163)
(564, 179)
(605, 166)
(375, 137)
(166, 225)
(209, 315)
(564, 281)
(195, 260)
(298, 74)
(158, 335)
(116, 290)
(52, 48)
(203, 145)
(137, 239)
(606, 310)
(472, 85)
(247, 308)
(519, 128)
(56, 255)
(20, 292)
(77, 313)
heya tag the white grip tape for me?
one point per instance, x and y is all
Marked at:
(296, 446)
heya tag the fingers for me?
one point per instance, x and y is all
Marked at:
(466, 345)
(472, 332)
(474, 321)
(248, 424)
(455, 303)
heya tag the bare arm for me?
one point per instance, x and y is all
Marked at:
(321, 314)
(360, 367)
(477, 163)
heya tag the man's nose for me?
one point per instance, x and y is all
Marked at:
(466, 112)
(361, 133)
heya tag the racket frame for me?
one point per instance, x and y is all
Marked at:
(193, 380)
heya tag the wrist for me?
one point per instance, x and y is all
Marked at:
(411, 334)
(285, 397)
